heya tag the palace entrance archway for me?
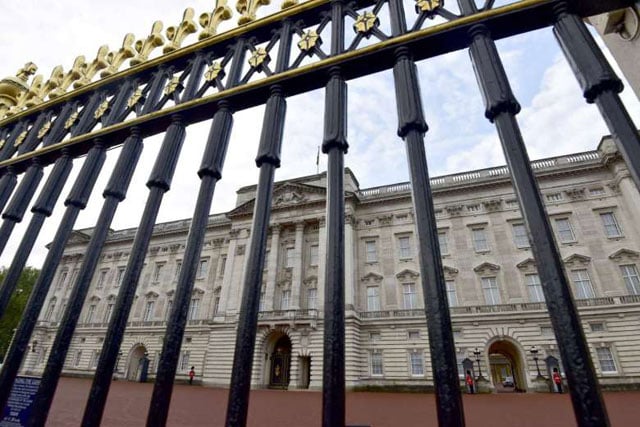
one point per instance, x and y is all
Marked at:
(506, 367)
(134, 362)
(280, 358)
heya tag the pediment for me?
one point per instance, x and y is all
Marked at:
(372, 278)
(78, 237)
(197, 290)
(285, 195)
(111, 297)
(449, 271)
(151, 294)
(577, 259)
(95, 298)
(407, 274)
(486, 267)
(527, 264)
(624, 255)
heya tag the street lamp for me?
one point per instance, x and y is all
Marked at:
(534, 352)
(477, 353)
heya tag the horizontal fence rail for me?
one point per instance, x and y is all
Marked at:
(260, 63)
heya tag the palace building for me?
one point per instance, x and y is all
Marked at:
(495, 295)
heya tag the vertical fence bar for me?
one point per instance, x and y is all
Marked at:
(79, 197)
(210, 173)
(268, 159)
(335, 144)
(599, 83)
(42, 209)
(412, 128)
(501, 108)
(29, 184)
(74, 203)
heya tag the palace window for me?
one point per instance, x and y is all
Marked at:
(404, 245)
(90, 313)
(120, 276)
(371, 251)
(597, 326)
(599, 191)
(203, 267)
(107, 313)
(582, 283)
(490, 290)
(564, 230)
(101, 279)
(631, 279)
(313, 255)
(480, 243)
(373, 298)
(409, 296)
(520, 237)
(611, 227)
(62, 279)
(417, 363)
(223, 263)
(168, 312)
(184, 361)
(157, 273)
(74, 277)
(376, 363)
(374, 337)
(413, 335)
(605, 358)
(289, 255)
(443, 242)
(535, 288)
(193, 308)
(148, 311)
(178, 269)
(62, 309)
(452, 297)
(50, 309)
(285, 299)
(95, 357)
(216, 301)
(312, 298)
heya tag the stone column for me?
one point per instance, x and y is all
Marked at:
(322, 260)
(296, 274)
(350, 263)
(272, 269)
(224, 306)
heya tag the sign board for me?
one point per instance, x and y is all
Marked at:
(18, 408)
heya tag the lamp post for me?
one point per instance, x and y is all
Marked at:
(476, 352)
(534, 352)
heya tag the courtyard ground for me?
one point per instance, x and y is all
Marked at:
(199, 406)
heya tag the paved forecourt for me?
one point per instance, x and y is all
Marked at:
(200, 406)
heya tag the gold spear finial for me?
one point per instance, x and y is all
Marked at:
(288, 3)
(146, 46)
(90, 70)
(248, 8)
(210, 21)
(13, 88)
(177, 34)
(27, 71)
(115, 59)
(38, 91)
(71, 76)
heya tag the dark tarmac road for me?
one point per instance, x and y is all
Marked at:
(199, 406)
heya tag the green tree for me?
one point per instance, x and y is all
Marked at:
(16, 305)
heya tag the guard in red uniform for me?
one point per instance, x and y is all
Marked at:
(557, 381)
(192, 373)
(470, 383)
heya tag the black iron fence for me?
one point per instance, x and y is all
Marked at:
(49, 125)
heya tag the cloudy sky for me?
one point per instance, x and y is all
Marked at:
(555, 120)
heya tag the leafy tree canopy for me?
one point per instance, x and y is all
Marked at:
(16, 305)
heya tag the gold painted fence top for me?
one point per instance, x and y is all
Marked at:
(17, 94)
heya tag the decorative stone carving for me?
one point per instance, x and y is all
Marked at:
(577, 260)
(624, 255)
(486, 268)
(454, 210)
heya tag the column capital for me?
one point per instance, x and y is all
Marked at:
(300, 226)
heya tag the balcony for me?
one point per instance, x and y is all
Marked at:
(502, 308)
(293, 317)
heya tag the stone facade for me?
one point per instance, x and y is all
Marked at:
(495, 295)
